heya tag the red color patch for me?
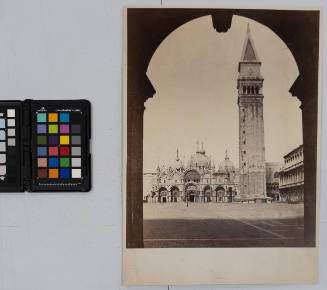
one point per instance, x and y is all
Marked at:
(64, 151)
(53, 151)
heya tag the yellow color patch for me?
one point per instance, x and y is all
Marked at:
(64, 140)
(53, 117)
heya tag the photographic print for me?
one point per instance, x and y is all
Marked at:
(221, 116)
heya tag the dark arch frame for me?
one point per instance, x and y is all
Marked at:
(148, 27)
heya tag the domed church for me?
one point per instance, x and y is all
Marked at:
(199, 181)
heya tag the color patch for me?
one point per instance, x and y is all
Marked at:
(76, 129)
(76, 162)
(64, 151)
(2, 146)
(76, 173)
(53, 117)
(42, 173)
(11, 122)
(11, 132)
(53, 151)
(11, 113)
(53, 173)
(75, 117)
(41, 129)
(2, 135)
(3, 169)
(76, 140)
(41, 117)
(53, 140)
(11, 142)
(53, 129)
(64, 140)
(64, 117)
(64, 129)
(41, 151)
(53, 162)
(64, 162)
(2, 158)
(76, 151)
(42, 162)
(41, 140)
(2, 123)
(64, 173)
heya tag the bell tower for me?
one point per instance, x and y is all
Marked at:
(251, 126)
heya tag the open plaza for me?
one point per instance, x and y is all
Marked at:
(222, 225)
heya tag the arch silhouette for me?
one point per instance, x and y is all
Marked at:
(299, 30)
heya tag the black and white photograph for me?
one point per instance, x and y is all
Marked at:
(222, 128)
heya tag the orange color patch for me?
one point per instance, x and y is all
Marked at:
(53, 117)
(53, 173)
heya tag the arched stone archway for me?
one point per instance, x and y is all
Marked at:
(207, 194)
(300, 32)
(163, 195)
(192, 193)
(174, 194)
(220, 193)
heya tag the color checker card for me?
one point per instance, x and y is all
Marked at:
(61, 133)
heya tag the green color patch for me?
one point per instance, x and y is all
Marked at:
(41, 140)
(64, 162)
(53, 129)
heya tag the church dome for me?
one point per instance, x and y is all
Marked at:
(226, 164)
(199, 159)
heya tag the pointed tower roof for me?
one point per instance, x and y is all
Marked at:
(249, 53)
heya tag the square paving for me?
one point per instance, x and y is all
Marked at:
(223, 225)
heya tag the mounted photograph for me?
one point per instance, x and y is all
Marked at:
(221, 128)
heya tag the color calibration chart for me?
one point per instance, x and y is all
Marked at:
(59, 153)
(7, 138)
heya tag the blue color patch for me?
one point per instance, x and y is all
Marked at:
(42, 129)
(41, 151)
(64, 117)
(53, 162)
(64, 173)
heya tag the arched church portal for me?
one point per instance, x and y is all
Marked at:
(174, 194)
(192, 193)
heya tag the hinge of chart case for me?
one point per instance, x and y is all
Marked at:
(26, 145)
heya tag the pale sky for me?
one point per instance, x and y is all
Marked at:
(194, 73)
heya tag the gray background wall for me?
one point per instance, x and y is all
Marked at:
(73, 49)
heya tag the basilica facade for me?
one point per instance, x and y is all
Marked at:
(197, 181)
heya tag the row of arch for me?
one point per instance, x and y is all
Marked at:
(192, 194)
(164, 190)
(250, 90)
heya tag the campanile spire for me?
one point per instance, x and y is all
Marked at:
(251, 125)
